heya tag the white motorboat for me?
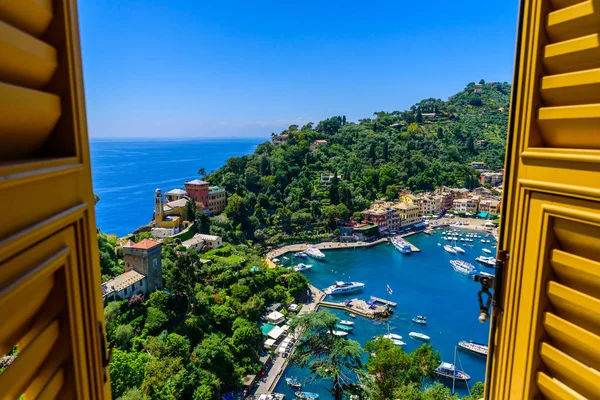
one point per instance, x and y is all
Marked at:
(402, 245)
(398, 342)
(392, 336)
(487, 251)
(462, 267)
(346, 322)
(489, 261)
(482, 241)
(419, 319)
(449, 249)
(344, 287)
(314, 252)
(340, 333)
(418, 335)
(302, 267)
(459, 249)
(300, 254)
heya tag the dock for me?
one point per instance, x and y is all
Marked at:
(384, 301)
(359, 307)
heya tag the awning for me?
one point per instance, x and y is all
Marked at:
(269, 343)
(275, 332)
(275, 316)
(482, 214)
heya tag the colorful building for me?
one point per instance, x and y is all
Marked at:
(478, 164)
(168, 218)
(217, 199)
(492, 178)
(280, 139)
(489, 206)
(198, 190)
(175, 194)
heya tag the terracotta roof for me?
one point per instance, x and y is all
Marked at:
(146, 244)
(128, 243)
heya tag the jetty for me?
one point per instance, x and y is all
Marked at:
(384, 301)
(359, 307)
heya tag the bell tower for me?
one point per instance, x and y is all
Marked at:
(158, 207)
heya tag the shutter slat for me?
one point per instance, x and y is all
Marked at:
(573, 340)
(14, 380)
(48, 370)
(573, 55)
(555, 390)
(577, 272)
(571, 126)
(581, 309)
(558, 4)
(25, 60)
(27, 117)
(581, 378)
(31, 16)
(574, 21)
(52, 390)
(581, 87)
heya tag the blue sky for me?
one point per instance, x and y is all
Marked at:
(158, 68)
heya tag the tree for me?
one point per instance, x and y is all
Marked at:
(126, 371)
(155, 319)
(419, 116)
(202, 172)
(327, 356)
(386, 367)
(133, 393)
(123, 335)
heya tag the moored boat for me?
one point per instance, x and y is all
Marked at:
(293, 382)
(459, 249)
(449, 249)
(392, 336)
(402, 245)
(314, 252)
(448, 371)
(418, 335)
(489, 261)
(487, 251)
(306, 395)
(346, 322)
(340, 333)
(300, 254)
(398, 342)
(419, 319)
(428, 231)
(344, 287)
(463, 267)
(302, 267)
(344, 328)
(474, 347)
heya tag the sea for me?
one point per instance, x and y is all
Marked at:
(126, 172)
(422, 283)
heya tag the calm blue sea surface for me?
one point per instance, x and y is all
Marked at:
(423, 284)
(126, 173)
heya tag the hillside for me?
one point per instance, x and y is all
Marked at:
(280, 186)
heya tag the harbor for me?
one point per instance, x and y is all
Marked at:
(422, 284)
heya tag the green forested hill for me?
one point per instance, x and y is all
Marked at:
(281, 186)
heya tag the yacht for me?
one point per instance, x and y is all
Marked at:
(474, 347)
(489, 261)
(398, 342)
(449, 371)
(459, 249)
(340, 333)
(463, 267)
(344, 287)
(344, 328)
(293, 382)
(345, 322)
(314, 252)
(306, 395)
(449, 249)
(482, 241)
(302, 267)
(428, 231)
(300, 254)
(419, 319)
(418, 335)
(487, 251)
(392, 336)
(402, 245)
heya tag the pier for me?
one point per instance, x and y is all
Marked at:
(359, 307)
(384, 301)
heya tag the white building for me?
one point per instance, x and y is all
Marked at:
(124, 285)
(211, 241)
(196, 243)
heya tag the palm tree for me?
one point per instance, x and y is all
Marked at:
(325, 355)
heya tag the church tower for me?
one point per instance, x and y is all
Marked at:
(158, 207)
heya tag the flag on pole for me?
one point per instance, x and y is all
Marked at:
(389, 289)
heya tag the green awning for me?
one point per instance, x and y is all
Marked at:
(482, 215)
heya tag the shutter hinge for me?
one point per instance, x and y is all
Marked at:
(493, 282)
(106, 354)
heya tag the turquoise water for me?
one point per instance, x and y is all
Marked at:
(126, 173)
(423, 284)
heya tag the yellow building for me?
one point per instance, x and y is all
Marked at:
(168, 218)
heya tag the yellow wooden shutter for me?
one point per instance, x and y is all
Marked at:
(547, 341)
(50, 300)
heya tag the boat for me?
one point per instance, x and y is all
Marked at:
(398, 342)
(344, 287)
(344, 328)
(293, 382)
(474, 347)
(419, 319)
(487, 251)
(449, 249)
(459, 249)
(345, 322)
(428, 231)
(340, 333)
(352, 315)
(300, 254)
(489, 261)
(448, 371)
(439, 244)
(402, 245)
(306, 395)
(463, 267)
(417, 335)
(314, 252)
(392, 336)
(302, 267)
(483, 273)
(482, 241)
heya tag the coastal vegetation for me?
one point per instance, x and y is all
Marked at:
(330, 172)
